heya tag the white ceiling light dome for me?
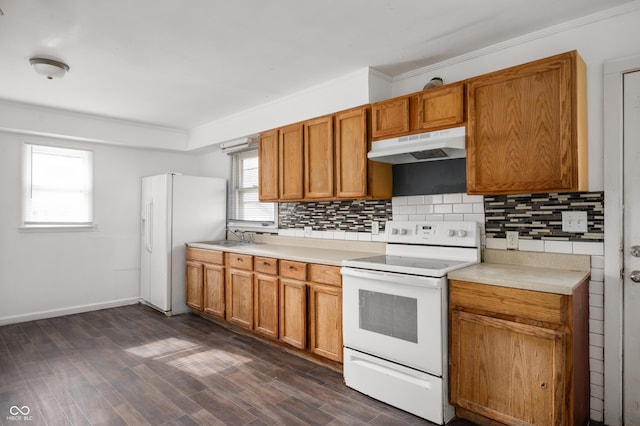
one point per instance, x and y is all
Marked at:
(49, 68)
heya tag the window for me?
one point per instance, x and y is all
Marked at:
(58, 186)
(245, 211)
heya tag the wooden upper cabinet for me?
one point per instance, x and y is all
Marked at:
(268, 165)
(390, 117)
(441, 107)
(526, 129)
(318, 158)
(351, 145)
(290, 164)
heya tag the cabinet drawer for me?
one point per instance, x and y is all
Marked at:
(241, 261)
(204, 255)
(266, 265)
(295, 270)
(532, 305)
(325, 274)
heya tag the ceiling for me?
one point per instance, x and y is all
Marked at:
(182, 64)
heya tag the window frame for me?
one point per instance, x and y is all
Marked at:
(246, 225)
(27, 187)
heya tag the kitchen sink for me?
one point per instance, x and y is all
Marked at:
(229, 243)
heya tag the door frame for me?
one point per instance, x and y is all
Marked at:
(613, 236)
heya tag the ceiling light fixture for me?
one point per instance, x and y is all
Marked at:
(49, 68)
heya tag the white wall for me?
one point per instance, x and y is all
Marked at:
(597, 39)
(45, 274)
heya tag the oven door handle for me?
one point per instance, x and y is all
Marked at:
(393, 277)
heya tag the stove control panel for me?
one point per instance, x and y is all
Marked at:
(463, 234)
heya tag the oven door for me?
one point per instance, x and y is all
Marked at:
(397, 317)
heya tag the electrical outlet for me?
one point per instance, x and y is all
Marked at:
(574, 221)
(375, 227)
(307, 231)
(512, 240)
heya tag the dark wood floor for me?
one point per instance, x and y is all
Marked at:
(132, 365)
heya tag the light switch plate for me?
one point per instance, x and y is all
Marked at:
(512, 240)
(574, 221)
(307, 231)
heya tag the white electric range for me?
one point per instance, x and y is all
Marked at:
(395, 315)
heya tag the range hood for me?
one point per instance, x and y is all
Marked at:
(431, 146)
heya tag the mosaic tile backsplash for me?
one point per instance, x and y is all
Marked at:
(348, 215)
(539, 216)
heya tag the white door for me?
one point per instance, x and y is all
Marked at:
(631, 350)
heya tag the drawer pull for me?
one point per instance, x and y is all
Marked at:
(292, 267)
(265, 263)
(239, 259)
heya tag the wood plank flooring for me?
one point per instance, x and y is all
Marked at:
(134, 366)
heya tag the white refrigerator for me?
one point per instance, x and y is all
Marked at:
(176, 209)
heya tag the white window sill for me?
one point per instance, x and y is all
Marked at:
(59, 228)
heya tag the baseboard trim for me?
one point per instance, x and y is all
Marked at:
(67, 311)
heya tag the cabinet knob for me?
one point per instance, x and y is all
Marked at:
(265, 263)
(239, 259)
(543, 385)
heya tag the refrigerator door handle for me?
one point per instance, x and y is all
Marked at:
(148, 237)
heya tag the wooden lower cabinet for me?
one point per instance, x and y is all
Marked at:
(325, 321)
(325, 311)
(214, 283)
(293, 312)
(266, 296)
(296, 303)
(205, 280)
(195, 282)
(519, 357)
(239, 289)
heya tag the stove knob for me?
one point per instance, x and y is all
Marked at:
(451, 233)
(394, 231)
(403, 231)
(462, 233)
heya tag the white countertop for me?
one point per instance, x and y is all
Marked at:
(558, 281)
(325, 256)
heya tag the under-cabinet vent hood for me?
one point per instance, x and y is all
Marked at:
(431, 146)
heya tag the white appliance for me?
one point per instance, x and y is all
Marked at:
(175, 210)
(394, 315)
(429, 146)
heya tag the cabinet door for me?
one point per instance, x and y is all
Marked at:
(293, 312)
(523, 134)
(266, 304)
(325, 321)
(290, 165)
(195, 284)
(351, 145)
(214, 290)
(390, 118)
(441, 107)
(507, 371)
(268, 165)
(240, 298)
(318, 158)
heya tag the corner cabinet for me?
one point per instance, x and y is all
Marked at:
(519, 357)
(527, 128)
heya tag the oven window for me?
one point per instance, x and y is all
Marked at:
(389, 314)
